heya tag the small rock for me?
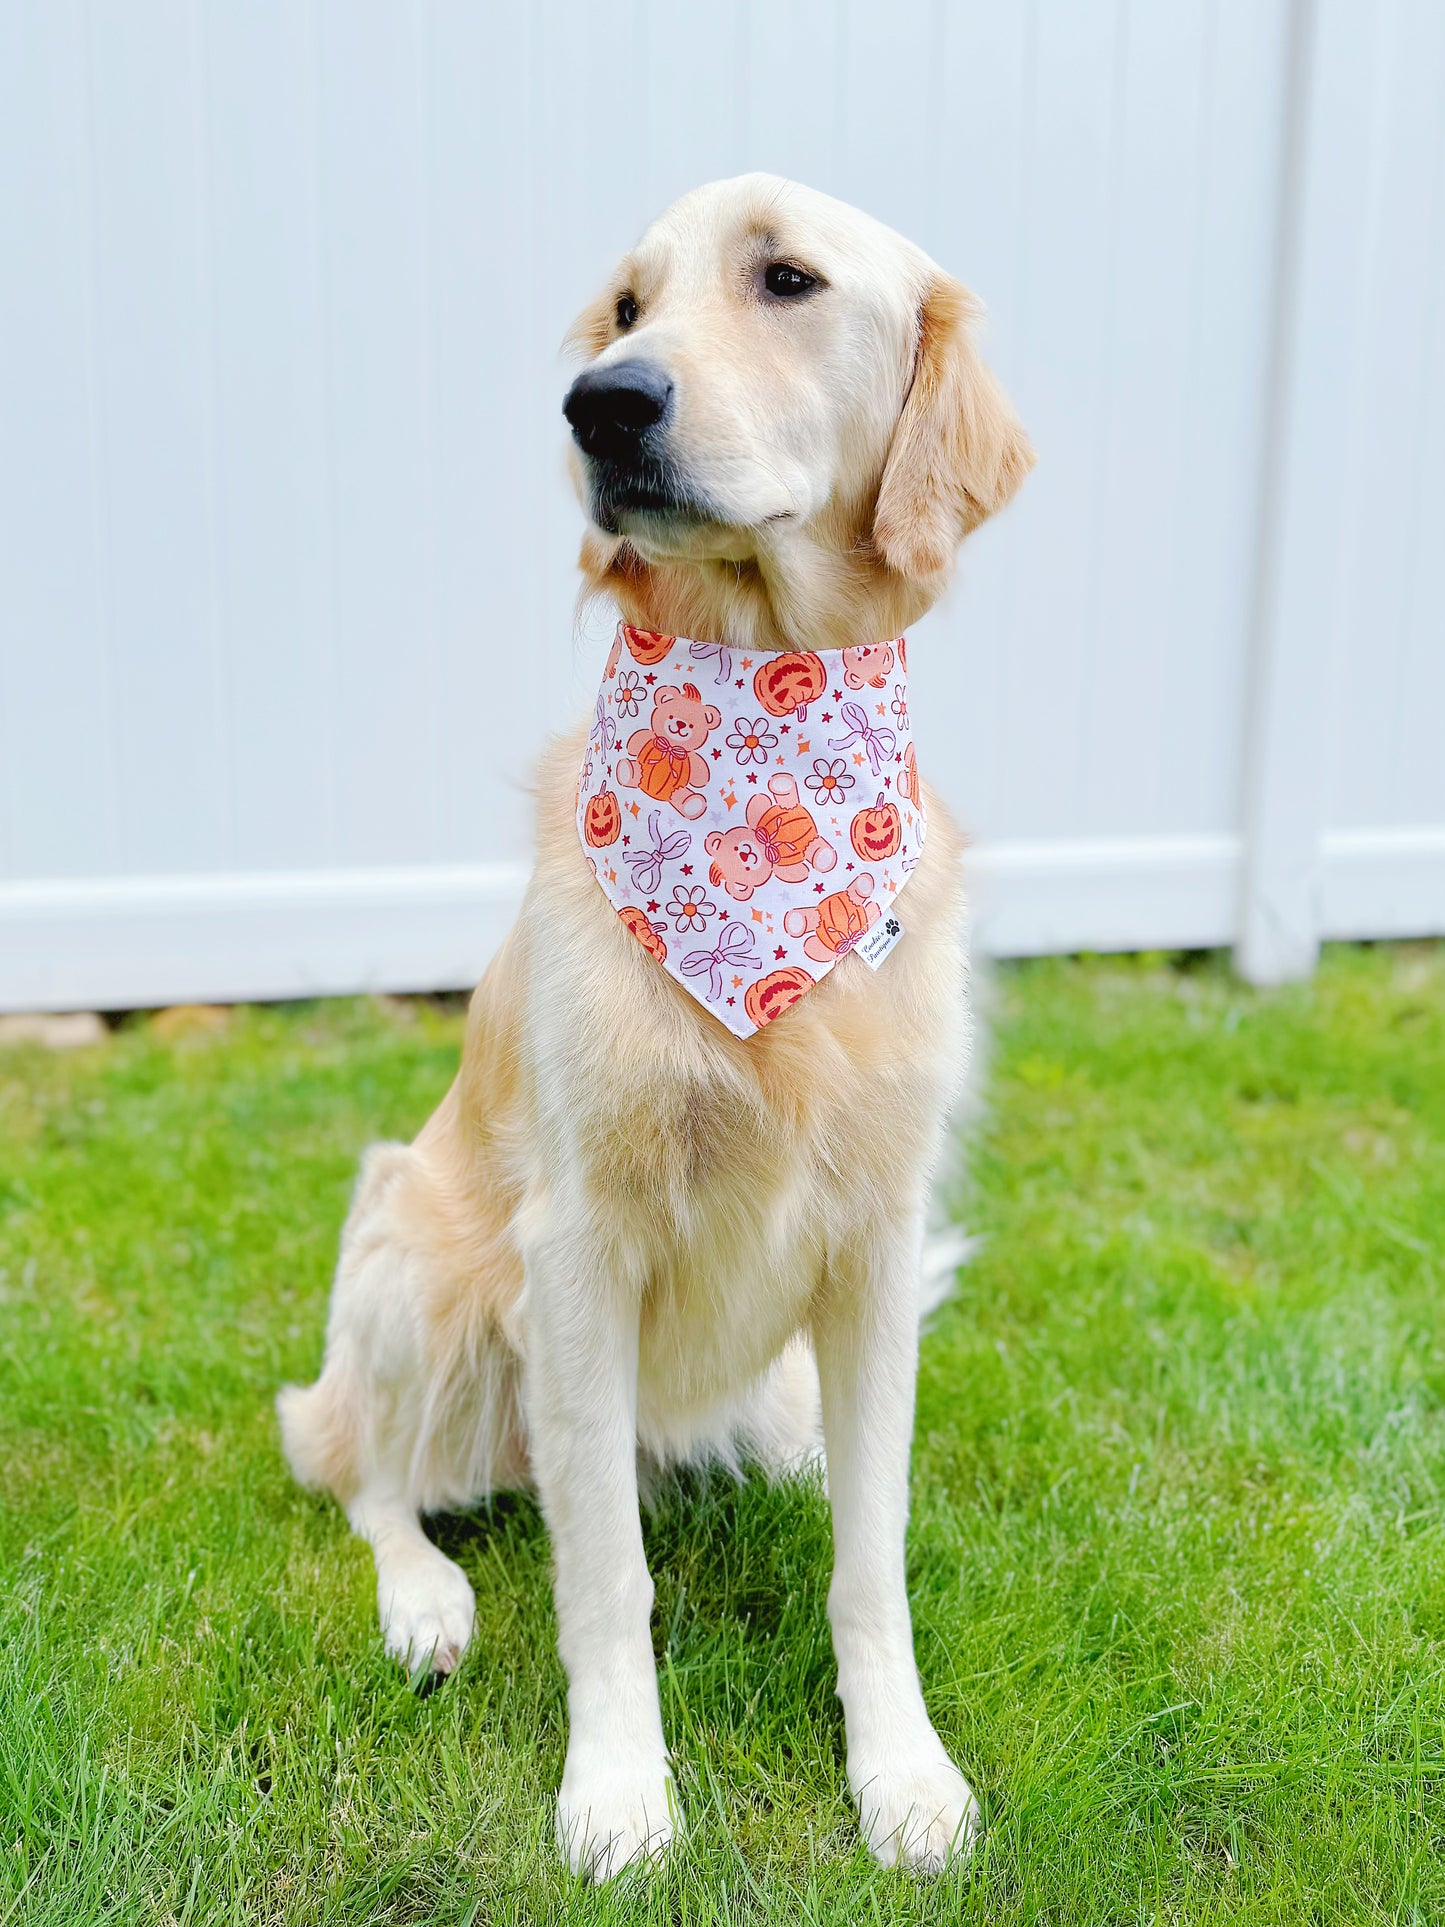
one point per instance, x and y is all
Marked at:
(189, 1020)
(53, 1029)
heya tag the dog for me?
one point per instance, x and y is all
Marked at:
(629, 1237)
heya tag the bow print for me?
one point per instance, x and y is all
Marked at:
(706, 651)
(878, 742)
(604, 730)
(734, 951)
(647, 864)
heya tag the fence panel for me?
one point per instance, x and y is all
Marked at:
(283, 523)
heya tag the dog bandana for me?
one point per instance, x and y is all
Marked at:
(752, 817)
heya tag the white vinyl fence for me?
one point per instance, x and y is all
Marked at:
(283, 527)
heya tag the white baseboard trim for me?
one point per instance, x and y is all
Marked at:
(1111, 893)
(117, 943)
(128, 942)
(1383, 883)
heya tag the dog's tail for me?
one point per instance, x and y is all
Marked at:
(320, 1433)
(945, 1249)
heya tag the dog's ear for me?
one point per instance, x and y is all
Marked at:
(958, 453)
(592, 330)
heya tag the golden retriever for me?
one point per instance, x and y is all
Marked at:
(626, 1235)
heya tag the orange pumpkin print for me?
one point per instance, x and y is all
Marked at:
(602, 821)
(779, 838)
(908, 787)
(833, 926)
(842, 919)
(647, 646)
(786, 684)
(647, 934)
(775, 993)
(877, 832)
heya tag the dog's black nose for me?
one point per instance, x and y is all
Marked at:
(610, 409)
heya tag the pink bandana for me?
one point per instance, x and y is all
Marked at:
(752, 831)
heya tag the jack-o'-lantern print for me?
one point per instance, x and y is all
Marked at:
(876, 833)
(647, 646)
(786, 684)
(777, 992)
(602, 821)
(648, 931)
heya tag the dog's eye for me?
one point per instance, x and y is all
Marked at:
(626, 311)
(788, 282)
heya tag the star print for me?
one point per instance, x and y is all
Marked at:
(649, 677)
(732, 1000)
(737, 985)
(739, 684)
(827, 715)
(837, 695)
(858, 757)
(785, 727)
(636, 809)
(611, 876)
(731, 799)
(850, 866)
(888, 782)
(751, 777)
(818, 887)
(757, 916)
(879, 708)
(803, 745)
(717, 755)
(747, 662)
(652, 907)
(780, 762)
(687, 869)
(625, 841)
(780, 953)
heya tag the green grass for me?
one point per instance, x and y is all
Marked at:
(1177, 1556)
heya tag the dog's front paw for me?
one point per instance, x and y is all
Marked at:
(427, 1608)
(612, 1814)
(916, 1814)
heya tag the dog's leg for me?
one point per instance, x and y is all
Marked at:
(424, 1600)
(371, 1430)
(915, 1806)
(616, 1799)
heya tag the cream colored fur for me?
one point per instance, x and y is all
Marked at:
(627, 1238)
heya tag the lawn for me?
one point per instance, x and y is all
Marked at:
(1177, 1555)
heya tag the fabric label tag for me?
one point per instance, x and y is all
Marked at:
(875, 946)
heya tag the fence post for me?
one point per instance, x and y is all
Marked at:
(1283, 729)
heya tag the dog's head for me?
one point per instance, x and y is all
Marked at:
(769, 368)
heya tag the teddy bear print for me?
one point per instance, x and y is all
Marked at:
(867, 662)
(779, 839)
(662, 761)
(835, 925)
